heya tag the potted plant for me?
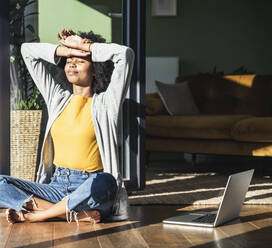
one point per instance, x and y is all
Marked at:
(26, 101)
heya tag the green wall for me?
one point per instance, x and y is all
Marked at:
(54, 15)
(227, 34)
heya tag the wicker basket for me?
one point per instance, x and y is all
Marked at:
(24, 141)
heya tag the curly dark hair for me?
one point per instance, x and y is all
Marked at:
(103, 70)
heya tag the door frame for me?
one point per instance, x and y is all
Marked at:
(134, 36)
(4, 89)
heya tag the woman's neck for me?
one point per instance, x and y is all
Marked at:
(82, 91)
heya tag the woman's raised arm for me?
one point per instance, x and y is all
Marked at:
(123, 59)
(35, 55)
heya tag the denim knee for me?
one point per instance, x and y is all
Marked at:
(97, 193)
(104, 188)
(3, 179)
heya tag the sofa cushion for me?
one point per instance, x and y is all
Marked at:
(154, 104)
(200, 126)
(177, 98)
(255, 129)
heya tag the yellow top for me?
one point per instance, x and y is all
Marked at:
(74, 138)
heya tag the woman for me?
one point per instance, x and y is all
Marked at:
(79, 170)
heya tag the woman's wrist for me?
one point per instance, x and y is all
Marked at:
(62, 51)
(84, 50)
(87, 47)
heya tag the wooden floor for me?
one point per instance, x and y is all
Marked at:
(145, 229)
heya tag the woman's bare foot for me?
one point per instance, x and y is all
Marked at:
(30, 205)
(14, 216)
(37, 204)
(92, 216)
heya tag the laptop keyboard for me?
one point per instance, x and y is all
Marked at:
(208, 218)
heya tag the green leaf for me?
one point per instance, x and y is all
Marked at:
(23, 105)
(12, 59)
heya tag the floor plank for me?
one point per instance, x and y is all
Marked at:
(70, 235)
(31, 235)
(5, 229)
(155, 234)
(120, 234)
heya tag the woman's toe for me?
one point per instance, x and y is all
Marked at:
(13, 216)
(9, 217)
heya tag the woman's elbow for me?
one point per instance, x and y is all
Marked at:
(24, 48)
(129, 54)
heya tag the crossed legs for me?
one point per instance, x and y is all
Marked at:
(17, 196)
(41, 210)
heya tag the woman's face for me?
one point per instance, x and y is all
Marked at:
(79, 71)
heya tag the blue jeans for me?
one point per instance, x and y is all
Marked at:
(84, 190)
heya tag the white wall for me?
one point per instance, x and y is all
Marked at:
(164, 69)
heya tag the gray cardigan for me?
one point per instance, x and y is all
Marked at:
(105, 108)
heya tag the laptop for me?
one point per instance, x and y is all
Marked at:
(229, 209)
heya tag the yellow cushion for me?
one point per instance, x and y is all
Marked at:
(256, 129)
(154, 104)
(244, 80)
(199, 127)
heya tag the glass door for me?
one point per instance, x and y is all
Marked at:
(117, 21)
